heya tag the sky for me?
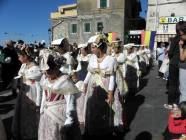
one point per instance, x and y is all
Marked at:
(29, 20)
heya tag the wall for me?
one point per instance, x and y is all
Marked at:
(164, 9)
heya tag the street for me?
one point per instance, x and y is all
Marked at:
(145, 110)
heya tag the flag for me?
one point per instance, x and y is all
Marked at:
(112, 36)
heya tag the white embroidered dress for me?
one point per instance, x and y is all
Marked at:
(58, 108)
(25, 122)
(100, 80)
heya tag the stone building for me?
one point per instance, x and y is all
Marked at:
(162, 17)
(87, 17)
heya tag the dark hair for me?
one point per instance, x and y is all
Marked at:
(181, 26)
(55, 62)
(64, 45)
(102, 45)
(20, 42)
(86, 49)
(27, 51)
(182, 107)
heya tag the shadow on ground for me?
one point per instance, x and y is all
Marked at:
(132, 105)
(145, 135)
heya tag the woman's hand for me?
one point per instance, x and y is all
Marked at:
(110, 97)
(176, 113)
(181, 44)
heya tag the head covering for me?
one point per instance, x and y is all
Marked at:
(50, 59)
(20, 42)
(137, 46)
(82, 45)
(57, 41)
(129, 46)
(116, 43)
(94, 39)
(44, 55)
(97, 40)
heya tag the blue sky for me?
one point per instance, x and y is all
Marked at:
(29, 19)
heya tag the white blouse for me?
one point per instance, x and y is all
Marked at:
(63, 86)
(132, 60)
(108, 65)
(67, 68)
(121, 58)
(30, 74)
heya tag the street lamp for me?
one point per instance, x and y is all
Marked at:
(49, 34)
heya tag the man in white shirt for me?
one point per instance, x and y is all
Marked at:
(160, 55)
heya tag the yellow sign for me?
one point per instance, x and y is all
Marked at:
(171, 20)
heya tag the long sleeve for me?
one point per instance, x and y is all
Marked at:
(87, 78)
(39, 94)
(111, 83)
(70, 108)
(112, 77)
(124, 70)
(176, 126)
(42, 102)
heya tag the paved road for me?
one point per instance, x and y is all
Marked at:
(145, 110)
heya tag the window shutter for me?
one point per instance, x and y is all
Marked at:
(103, 3)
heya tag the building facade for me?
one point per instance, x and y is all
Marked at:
(162, 17)
(94, 16)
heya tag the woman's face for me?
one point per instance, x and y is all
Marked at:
(116, 50)
(94, 49)
(183, 37)
(50, 74)
(23, 58)
(83, 52)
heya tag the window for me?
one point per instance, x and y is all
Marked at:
(87, 28)
(99, 26)
(73, 28)
(103, 3)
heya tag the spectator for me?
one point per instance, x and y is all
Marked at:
(161, 55)
(11, 63)
(182, 67)
(177, 121)
(173, 54)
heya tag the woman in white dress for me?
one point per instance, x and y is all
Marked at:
(83, 60)
(99, 88)
(121, 86)
(2, 131)
(58, 119)
(26, 118)
(132, 68)
(64, 50)
(142, 59)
